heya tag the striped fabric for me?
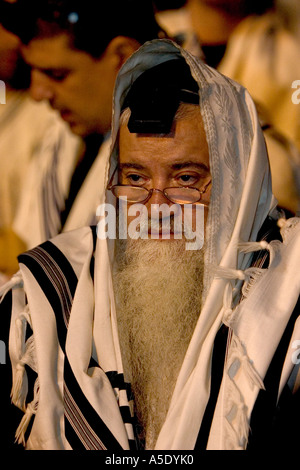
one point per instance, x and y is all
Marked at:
(84, 429)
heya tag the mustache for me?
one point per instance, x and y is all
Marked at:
(162, 222)
(164, 225)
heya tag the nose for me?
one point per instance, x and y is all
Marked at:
(158, 197)
(40, 86)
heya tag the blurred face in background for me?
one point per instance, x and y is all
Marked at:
(9, 54)
(214, 20)
(77, 85)
(239, 8)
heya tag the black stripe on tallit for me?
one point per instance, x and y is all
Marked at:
(58, 281)
(109, 442)
(117, 382)
(92, 264)
(216, 379)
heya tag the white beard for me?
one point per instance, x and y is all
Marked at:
(158, 287)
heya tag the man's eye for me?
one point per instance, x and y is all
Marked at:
(57, 75)
(187, 179)
(134, 179)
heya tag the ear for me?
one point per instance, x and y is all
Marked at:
(121, 48)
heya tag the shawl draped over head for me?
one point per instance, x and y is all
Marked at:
(80, 399)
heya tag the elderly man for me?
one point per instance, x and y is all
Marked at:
(135, 339)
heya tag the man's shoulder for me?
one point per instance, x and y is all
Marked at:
(66, 254)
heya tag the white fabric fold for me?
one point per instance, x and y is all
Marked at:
(258, 323)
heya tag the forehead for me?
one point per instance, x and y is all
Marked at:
(186, 142)
(8, 40)
(51, 52)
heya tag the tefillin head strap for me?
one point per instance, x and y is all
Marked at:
(156, 94)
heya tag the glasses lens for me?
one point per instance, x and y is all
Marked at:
(182, 195)
(133, 194)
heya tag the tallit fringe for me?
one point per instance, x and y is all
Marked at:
(251, 247)
(19, 389)
(238, 274)
(232, 274)
(27, 356)
(229, 273)
(20, 383)
(249, 276)
(31, 410)
(15, 281)
(253, 278)
(286, 226)
(25, 352)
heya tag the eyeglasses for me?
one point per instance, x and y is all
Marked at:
(177, 195)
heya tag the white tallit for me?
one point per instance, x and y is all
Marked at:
(268, 69)
(241, 200)
(48, 184)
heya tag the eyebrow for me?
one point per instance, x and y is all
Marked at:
(175, 166)
(53, 70)
(50, 71)
(136, 166)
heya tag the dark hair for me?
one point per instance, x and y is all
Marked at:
(90, 24)
(162, 5)
(242, 8)
(155, 95)
(258, 7)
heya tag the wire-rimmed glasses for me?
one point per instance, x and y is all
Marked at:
(176, 194)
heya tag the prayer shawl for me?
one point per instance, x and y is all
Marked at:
(63, 294)
(268, 69)
(23, 125)
(48, 185)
